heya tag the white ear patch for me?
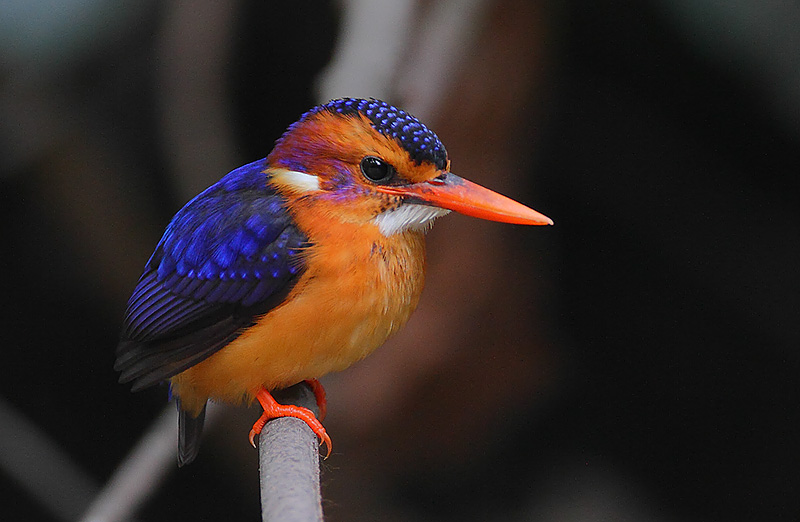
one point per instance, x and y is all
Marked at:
(407, 216)
(296, 181)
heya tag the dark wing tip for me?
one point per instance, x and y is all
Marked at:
(190, 430)
(146, 363)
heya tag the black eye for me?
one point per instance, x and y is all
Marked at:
(376, 170)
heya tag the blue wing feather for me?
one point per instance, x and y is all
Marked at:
(231, 253)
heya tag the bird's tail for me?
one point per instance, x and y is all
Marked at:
(190, 428)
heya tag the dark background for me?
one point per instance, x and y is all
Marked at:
(663, 141)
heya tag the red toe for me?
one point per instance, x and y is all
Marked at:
(274, 410)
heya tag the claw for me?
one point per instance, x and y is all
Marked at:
(319, 396)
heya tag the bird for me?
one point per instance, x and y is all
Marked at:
(295, 265)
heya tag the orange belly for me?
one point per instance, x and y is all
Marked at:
(348, 301)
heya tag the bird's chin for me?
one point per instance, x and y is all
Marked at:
(408, 216)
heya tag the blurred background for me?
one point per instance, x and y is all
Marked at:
(637, 361)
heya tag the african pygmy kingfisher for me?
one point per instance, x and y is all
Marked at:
(295, 265)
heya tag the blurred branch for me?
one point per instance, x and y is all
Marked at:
(142, 471)
(401, 51)
(37, 464)
(371, 41)
(289, 463)
(446, 36)
(288, 456)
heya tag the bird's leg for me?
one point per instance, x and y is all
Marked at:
(319, 395)
(273, 410)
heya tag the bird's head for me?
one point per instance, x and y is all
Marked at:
(365, 161)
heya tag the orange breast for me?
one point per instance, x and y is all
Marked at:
(359, 288)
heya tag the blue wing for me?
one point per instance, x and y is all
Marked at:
(232, 253)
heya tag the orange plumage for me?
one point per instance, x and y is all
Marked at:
(345, 306)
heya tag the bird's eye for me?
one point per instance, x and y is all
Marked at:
(376, 170)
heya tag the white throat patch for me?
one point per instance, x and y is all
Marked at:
(407, 216)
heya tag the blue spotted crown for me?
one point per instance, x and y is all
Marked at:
(420, 142)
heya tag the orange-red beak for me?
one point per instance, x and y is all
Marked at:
(465, 197)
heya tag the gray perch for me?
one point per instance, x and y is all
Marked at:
(289, 463)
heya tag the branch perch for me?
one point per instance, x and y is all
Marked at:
(289, 463)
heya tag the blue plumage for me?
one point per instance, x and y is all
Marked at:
(237, 230)
(421, 143)
(228, 255)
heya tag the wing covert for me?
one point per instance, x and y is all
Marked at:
(231, 253)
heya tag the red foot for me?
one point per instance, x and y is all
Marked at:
(273, 410)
